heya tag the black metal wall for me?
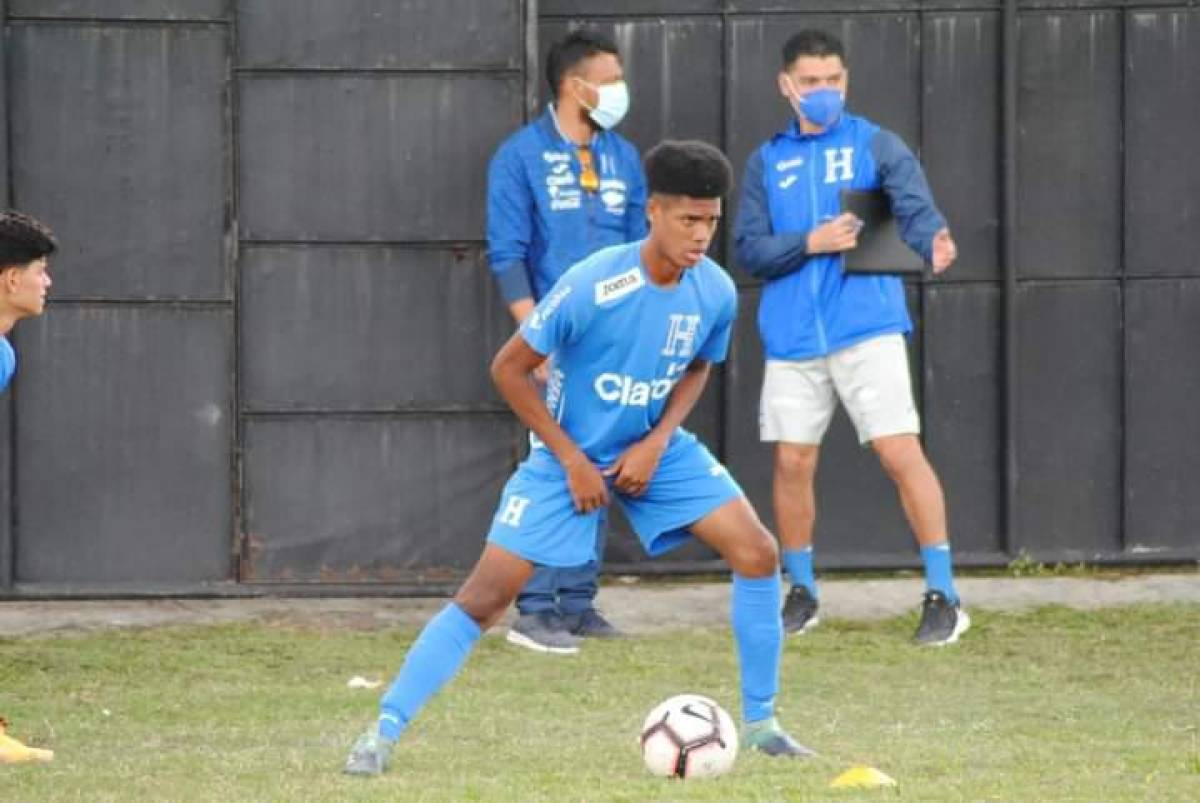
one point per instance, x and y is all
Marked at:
(265, 361)
(1055, 377)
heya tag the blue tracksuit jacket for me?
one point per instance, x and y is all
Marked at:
(541, 222)
(810, 307)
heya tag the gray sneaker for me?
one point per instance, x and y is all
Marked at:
(590, 624)
(544, 631)
(369, 755)
(800, 610)
(942, 621)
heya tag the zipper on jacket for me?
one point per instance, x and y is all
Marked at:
(814, 284)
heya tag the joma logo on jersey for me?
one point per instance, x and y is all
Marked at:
(629, 392)
(619, 286)
(681, 335)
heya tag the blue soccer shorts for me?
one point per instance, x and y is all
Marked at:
(537, 520)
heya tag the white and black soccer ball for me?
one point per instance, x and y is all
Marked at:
(689, 736)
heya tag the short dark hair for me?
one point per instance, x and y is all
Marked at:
(688, 167)
(812, 42)
(23, 239)
(572, 49)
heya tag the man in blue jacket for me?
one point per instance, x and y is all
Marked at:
(560, 189)
(828, 334)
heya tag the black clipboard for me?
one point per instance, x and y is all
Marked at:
(880, 249)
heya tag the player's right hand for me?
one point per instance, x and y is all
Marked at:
(834, 236)
(588, 490)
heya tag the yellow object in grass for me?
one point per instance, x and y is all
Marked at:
(862, 778)
(13, 752)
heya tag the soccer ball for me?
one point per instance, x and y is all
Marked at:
(689, 736)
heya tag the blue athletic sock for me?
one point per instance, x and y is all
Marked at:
(433, 659)
(758, 633)
(939, 573)
(798, 563)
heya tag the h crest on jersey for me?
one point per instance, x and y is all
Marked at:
(681, 335)
(839, 165)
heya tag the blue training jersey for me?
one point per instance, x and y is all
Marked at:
(620, 343)
(8, 362)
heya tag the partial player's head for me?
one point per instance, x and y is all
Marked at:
(25, 245)
(687, 180)
(813, 79)
(585, 75)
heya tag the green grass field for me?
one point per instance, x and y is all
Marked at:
(1051, 705)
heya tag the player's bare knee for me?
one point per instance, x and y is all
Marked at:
(485, 605)
(795, 462)
(899, 455)
(756, 555)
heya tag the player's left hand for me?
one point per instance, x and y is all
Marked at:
(944, 251)
(634, 469)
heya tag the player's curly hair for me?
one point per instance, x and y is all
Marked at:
(23, 239)
(688, 167)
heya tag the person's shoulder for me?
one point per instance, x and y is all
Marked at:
(605, 263)
(524, 143)
(715, 279)
(608, 274)
(622, 146)
(864, 128)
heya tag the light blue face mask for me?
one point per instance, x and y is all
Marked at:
(612, 104)
(822, 107)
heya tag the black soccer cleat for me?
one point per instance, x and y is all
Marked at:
(800, 610)
(942, 621)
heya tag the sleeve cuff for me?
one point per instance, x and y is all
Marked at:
(513, 281)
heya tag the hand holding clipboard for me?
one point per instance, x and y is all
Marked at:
(880, 249)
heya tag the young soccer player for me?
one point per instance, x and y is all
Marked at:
(632, 330)
(25, 245)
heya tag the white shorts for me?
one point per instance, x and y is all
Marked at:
(871, 378)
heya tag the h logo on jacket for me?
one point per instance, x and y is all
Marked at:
(839, 165)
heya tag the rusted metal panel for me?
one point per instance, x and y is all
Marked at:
(1162, 175)
(1070, 144)
(380, 34)
(374, 498)
(962, 409)
(118, 139)
(362, 327)
(1162, 473)
(1069, 443)
(124, 445)
(961, 76)
(173, 10)
(394, 157)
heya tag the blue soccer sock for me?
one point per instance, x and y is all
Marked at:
(433, 659)
(939, 573)
(799, 566)
(758, 634)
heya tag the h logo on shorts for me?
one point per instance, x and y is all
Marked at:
(514, 510)
(681, 336)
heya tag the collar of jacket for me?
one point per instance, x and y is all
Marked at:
(548, 126)
(793, 130)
